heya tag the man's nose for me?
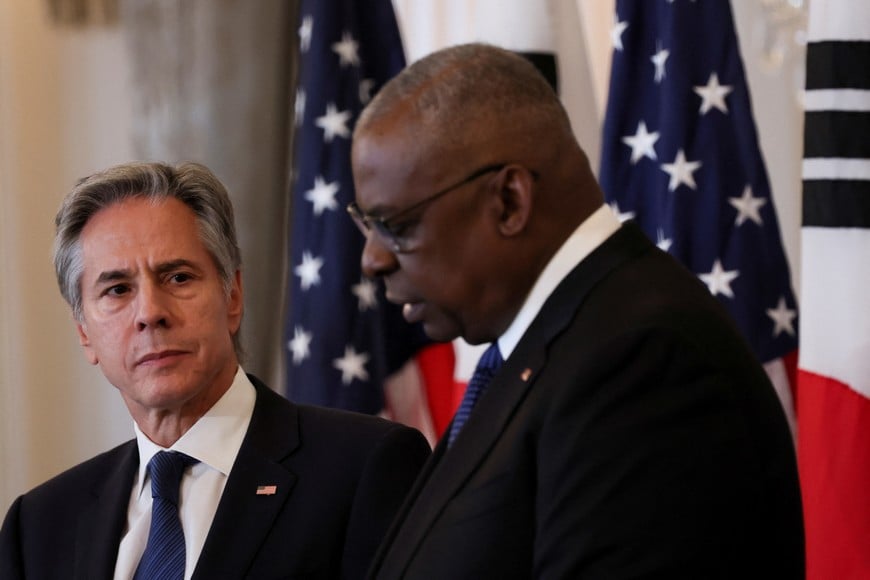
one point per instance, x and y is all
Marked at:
(377, 259)
(152, 308)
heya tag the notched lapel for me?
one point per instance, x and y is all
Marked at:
(256, 491)
(244, 516)
(408, 505)
(102, 521)
(455, 466)
(495, 409)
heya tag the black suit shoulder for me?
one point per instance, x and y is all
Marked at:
(341, 477)
(356, 431)
(326, 436)
(630, 433)
(652, 378)
(51, 500)
(40, 534)
(82, 479)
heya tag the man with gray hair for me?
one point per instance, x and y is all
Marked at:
(618, 426)
(225, 478)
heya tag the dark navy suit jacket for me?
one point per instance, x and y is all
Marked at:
(339, 479)
(630, 434)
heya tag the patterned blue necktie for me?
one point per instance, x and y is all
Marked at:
(487, 366)
(163, 558)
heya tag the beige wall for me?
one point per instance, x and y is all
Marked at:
(64, 112)
(62, 115)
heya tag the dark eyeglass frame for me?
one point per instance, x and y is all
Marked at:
(386, 230)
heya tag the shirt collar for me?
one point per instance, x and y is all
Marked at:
(589, 235)
(215, 439)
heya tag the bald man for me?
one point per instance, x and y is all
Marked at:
(629, 432)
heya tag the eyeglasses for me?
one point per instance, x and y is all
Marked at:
(390, 229)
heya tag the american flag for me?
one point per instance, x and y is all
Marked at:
(680, 156)
(342, 338)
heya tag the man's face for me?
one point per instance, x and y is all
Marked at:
(441, 280)
(155, 315)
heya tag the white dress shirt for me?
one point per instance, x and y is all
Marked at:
(214, 440)
(589, 235)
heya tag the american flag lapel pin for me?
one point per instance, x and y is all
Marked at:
(267, 489)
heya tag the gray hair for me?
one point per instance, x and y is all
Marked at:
(190, 183)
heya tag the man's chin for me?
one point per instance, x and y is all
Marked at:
(159, 395)
(440, 332)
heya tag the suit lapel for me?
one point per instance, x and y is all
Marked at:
(244, 516)
(447, 473)
(450, 470)
(102, 521)
(400, 521)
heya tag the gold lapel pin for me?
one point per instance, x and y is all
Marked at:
(526, 374)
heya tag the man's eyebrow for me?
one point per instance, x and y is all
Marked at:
(162, 268)
(112, 276)
(172, 265)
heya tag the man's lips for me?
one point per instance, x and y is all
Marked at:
(153, 357)
(413, 311)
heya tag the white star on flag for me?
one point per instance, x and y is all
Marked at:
(305, 33)
(706, 200)
(747, 207)
(782, 317)
(355, 47)
(658, 60)
(333, 123)
(300, 344)
(663, 243)
(352, 365)
(616, 33)
(322, 195)
(713, 95)
(365, 291)
(719, 280)
(347, 50)
(681, 171)
(642, 143)
(299, 107)
(309, 270)
(622, 216)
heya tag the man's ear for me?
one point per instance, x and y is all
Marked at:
(90, 353)
(235, 304)
(516, 190)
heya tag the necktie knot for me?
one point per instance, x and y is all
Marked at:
(166, 469)
(487, 367)
(164, 556)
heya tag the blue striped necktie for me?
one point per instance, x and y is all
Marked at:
(487, 367)
(163, 558)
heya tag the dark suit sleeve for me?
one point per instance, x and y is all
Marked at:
(390, 470)
(10, 550)
(673, 468)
